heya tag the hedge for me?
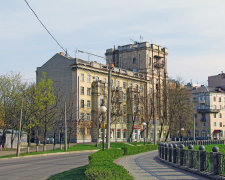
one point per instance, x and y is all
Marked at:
(101, 164)
(129, 150)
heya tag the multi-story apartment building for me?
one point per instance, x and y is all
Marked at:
(209, 112)
(139, 76)
(217, 80)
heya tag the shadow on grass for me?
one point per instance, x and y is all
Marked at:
(77, 173)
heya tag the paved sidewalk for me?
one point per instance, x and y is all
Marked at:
(146, 166)
(32, 149)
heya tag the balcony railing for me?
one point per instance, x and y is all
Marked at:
(207, 110)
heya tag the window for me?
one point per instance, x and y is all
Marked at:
(118, 84)
(141, 87)
(88, 91)
(214, 115)
(82, 116)
(82, 90)
(82, 103)
(220, 115)
(219, 99)
(89, 78)
(150, 61)
(130, 85)
(124, 133)
(214, 106)
(135, 70)
(96, 78)
(221, 124)
(88, 117)
(124, 97)
(220, 107)
(104, 80)
(82, 77)
(124, 85)
(214, 123)
(134, 60)
(118, 133)
(214, 98)
(88, 103)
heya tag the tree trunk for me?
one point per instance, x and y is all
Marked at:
(12, 139)
(54, 141)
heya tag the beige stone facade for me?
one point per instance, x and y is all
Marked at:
(210, 112)
(138, 80)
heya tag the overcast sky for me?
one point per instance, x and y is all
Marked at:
(193, 31)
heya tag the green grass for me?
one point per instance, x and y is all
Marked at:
(208, 148)
(77, 147)
(139, 143)
(77, 173)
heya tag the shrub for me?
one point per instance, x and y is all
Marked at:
(101, 166)
(129, 150)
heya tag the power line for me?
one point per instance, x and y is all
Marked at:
(45, 27)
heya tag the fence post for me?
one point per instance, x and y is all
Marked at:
(190, 156)
(182, 154)
(166, 151)
(159, 148)
(202, 157)
(174, 153)
(170, 152)
(162, 151)
(215, 160)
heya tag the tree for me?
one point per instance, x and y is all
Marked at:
(180, 109)
(11, 88)
(45, 104)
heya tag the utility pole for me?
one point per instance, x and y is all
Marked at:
(194, 127)
(109, 104)
(155, 125)
(18, 143)
(65, 146)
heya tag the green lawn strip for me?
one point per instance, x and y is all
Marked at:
(77, 173)
(77, 147)
(139, 143)
(208, 148)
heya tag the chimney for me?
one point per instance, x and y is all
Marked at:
(62, 53)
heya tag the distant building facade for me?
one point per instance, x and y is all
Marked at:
(139, 76)
(209, 107)
(217, 80)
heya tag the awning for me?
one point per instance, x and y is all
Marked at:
(217, 131)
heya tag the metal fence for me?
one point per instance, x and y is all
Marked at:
(211, 162)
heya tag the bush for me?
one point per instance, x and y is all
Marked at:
(129, 150)
(101, 166)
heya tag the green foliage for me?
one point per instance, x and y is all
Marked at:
(101, 166)
(139, 143)
(129, 150)
(73, 174)
(208, 148)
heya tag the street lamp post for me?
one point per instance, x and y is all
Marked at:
(181, 133)
(144, 125)
(103, 110)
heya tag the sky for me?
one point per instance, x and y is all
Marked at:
(193, 31)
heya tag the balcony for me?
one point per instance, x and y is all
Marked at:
(207, 110)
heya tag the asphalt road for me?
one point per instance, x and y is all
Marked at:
(42, 167)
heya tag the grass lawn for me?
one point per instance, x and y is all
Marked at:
(77, 147)
(77, 173)
(208, 148)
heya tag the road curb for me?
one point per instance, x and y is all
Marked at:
(49, 154)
